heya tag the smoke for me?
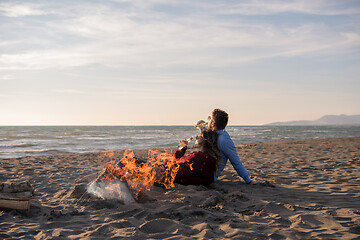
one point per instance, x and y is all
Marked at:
(114, 190)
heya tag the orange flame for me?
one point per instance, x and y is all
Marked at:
(109, 154)
(191, 166)
(141, 176)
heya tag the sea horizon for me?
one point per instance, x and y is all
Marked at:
(188, 125)
(19, 141)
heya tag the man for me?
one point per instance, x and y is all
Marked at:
(217, 122)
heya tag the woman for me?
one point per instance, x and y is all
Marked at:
(197, 168)
(200, 166)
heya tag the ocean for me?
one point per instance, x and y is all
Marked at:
(19, 141)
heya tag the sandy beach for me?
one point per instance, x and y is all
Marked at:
(311, 191)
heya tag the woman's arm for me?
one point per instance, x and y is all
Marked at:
(180, 153)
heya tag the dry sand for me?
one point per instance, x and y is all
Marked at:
(312, 192)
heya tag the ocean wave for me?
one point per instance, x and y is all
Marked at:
(14, 137)
(22, 144)
(31, 152)
(96, 138)
(32, 141)
(316, 131)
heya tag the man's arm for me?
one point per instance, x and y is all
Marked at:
(229, 150)
(221, 167)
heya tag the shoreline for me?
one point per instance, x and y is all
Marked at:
(141, 150)
(40, 141)
(312, 191)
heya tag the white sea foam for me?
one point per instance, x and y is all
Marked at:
(22, 144)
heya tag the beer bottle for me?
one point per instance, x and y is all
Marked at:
(184, 143)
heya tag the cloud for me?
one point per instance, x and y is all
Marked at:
(161, 44)
(43, 59)
(7, 77)
(20, 10)
(256, 7)
(9, 43)
(266, 7)
(138, 35)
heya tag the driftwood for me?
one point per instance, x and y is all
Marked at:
(16, 187)
(15, 204)
(16, 195)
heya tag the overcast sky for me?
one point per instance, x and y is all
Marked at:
(163, 62)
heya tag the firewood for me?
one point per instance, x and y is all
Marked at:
(16, 196)
(15, 204)
(16, 187)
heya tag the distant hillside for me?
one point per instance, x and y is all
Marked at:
(325, 120)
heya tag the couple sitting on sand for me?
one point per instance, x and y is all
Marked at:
(214, 148)
(211, 151)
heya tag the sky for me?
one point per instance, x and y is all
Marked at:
(165, 62)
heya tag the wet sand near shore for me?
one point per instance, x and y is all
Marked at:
(311, 191)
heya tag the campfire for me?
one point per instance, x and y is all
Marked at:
(125, 179)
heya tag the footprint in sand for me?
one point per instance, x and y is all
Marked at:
(159, 226)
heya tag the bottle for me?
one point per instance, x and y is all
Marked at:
(201, 125)
(184, 143)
